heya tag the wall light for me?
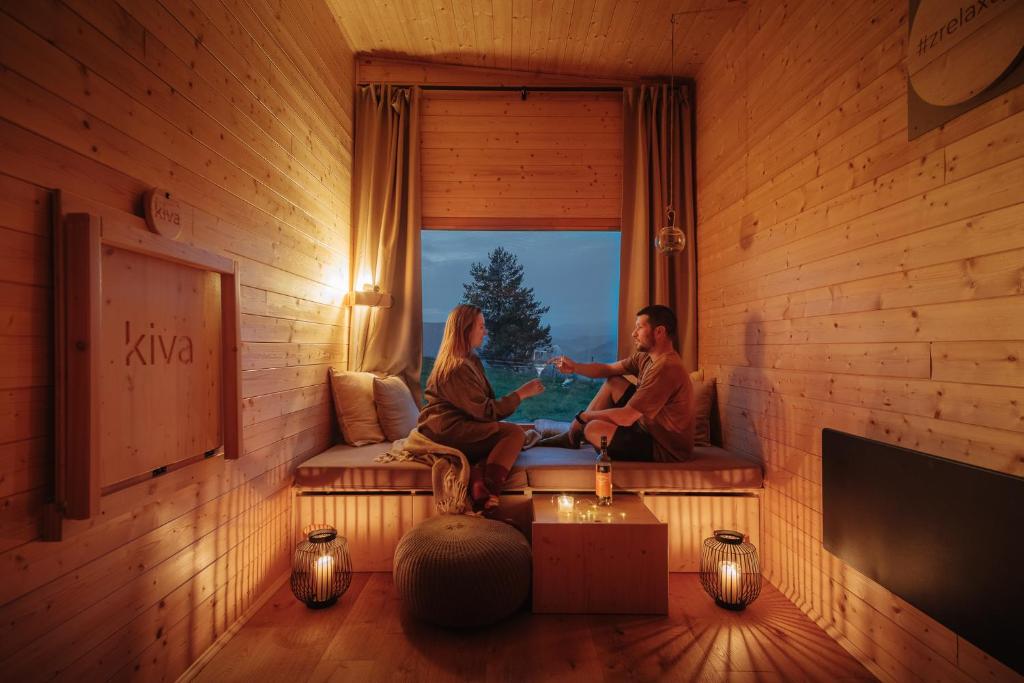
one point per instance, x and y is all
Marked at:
(370, 295)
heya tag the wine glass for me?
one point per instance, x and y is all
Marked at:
(540, 360)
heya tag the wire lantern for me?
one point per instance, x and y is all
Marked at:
(729, 570)
(321, 568)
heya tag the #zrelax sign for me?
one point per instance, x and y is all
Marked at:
(960, 53)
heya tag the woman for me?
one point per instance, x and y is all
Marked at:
(463, 413)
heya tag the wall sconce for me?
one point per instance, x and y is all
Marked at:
(729, 570)
(321, 568)
(369, 296)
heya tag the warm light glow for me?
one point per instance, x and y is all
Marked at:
(371, 297)
(323, 572)
(566, 504)
(729, 578)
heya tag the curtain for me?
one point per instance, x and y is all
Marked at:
(647, 277)
(386, 233)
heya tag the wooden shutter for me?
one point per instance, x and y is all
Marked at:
(491, 160)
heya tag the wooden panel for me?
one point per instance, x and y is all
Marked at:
(493, 138)
(372, 524)
(156, 409)
(997, 363)
(693, 518)
(852, 279)
(244, 112)
(79, 438)
(598, 38)
(615, 564)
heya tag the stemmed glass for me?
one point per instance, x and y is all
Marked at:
(543, 357)
(540, 360)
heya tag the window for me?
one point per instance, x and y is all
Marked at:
(574, 274)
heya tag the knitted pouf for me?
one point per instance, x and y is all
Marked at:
(462, 570)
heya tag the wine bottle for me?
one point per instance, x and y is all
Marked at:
(603, 472)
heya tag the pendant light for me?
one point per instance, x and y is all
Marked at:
(670, 238)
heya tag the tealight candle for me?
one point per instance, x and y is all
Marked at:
(323, 572)
(566, 503)
(729, 579)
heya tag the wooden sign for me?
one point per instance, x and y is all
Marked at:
(958, 52)
(148, 362)
(164, 214)
(160, 364)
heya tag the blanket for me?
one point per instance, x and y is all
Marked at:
(449, 470)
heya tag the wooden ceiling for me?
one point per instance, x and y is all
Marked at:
(610, 38)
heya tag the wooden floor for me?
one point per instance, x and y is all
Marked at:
(366, 637)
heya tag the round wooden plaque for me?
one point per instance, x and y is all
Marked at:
(957, 49)
(163, 213)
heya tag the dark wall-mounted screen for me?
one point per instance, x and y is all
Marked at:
(944, 536)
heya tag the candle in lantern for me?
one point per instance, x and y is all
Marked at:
(566, 504)
(323, 572)
(729, 578)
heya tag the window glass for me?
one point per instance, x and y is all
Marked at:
(542, 292)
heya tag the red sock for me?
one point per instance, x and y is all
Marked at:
(494, 477)
(477, 488)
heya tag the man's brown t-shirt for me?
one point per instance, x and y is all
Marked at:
(664, 399)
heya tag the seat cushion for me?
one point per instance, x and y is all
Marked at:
(353, 468)
(352, 393)
(573, 470)
(396, 409)
(462, 571)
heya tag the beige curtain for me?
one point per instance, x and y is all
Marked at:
(648, 277)
(386, 233)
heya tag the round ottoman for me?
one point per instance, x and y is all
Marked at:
(462, 570)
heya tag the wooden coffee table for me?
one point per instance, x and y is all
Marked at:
(615, 562)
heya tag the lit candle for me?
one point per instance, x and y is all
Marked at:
(566, 503)
(323, 572)
(729, 578)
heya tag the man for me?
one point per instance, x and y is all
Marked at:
(652, 420)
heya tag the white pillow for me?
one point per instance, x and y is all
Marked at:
(396, 408)
(354, 406)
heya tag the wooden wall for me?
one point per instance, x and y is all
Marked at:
(243, 109)
(852, 279)
(493, 160)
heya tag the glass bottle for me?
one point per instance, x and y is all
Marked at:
(603, 475)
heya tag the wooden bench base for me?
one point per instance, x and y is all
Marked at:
(373, 522)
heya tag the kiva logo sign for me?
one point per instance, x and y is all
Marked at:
(149, 348)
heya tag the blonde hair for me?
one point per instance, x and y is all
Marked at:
(455, 347)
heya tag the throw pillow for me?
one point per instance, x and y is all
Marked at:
(353, 403)
(703, 401)
(396, 408)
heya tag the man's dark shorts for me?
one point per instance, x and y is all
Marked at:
(633, 442)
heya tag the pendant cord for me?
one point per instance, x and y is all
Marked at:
(670, 213)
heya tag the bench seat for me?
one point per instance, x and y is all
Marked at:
(710, 468)
(353, 468)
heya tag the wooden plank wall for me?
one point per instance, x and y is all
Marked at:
(243, 109)
(493, 160)
(852, 279)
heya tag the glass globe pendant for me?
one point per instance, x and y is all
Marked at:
(670, 239)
